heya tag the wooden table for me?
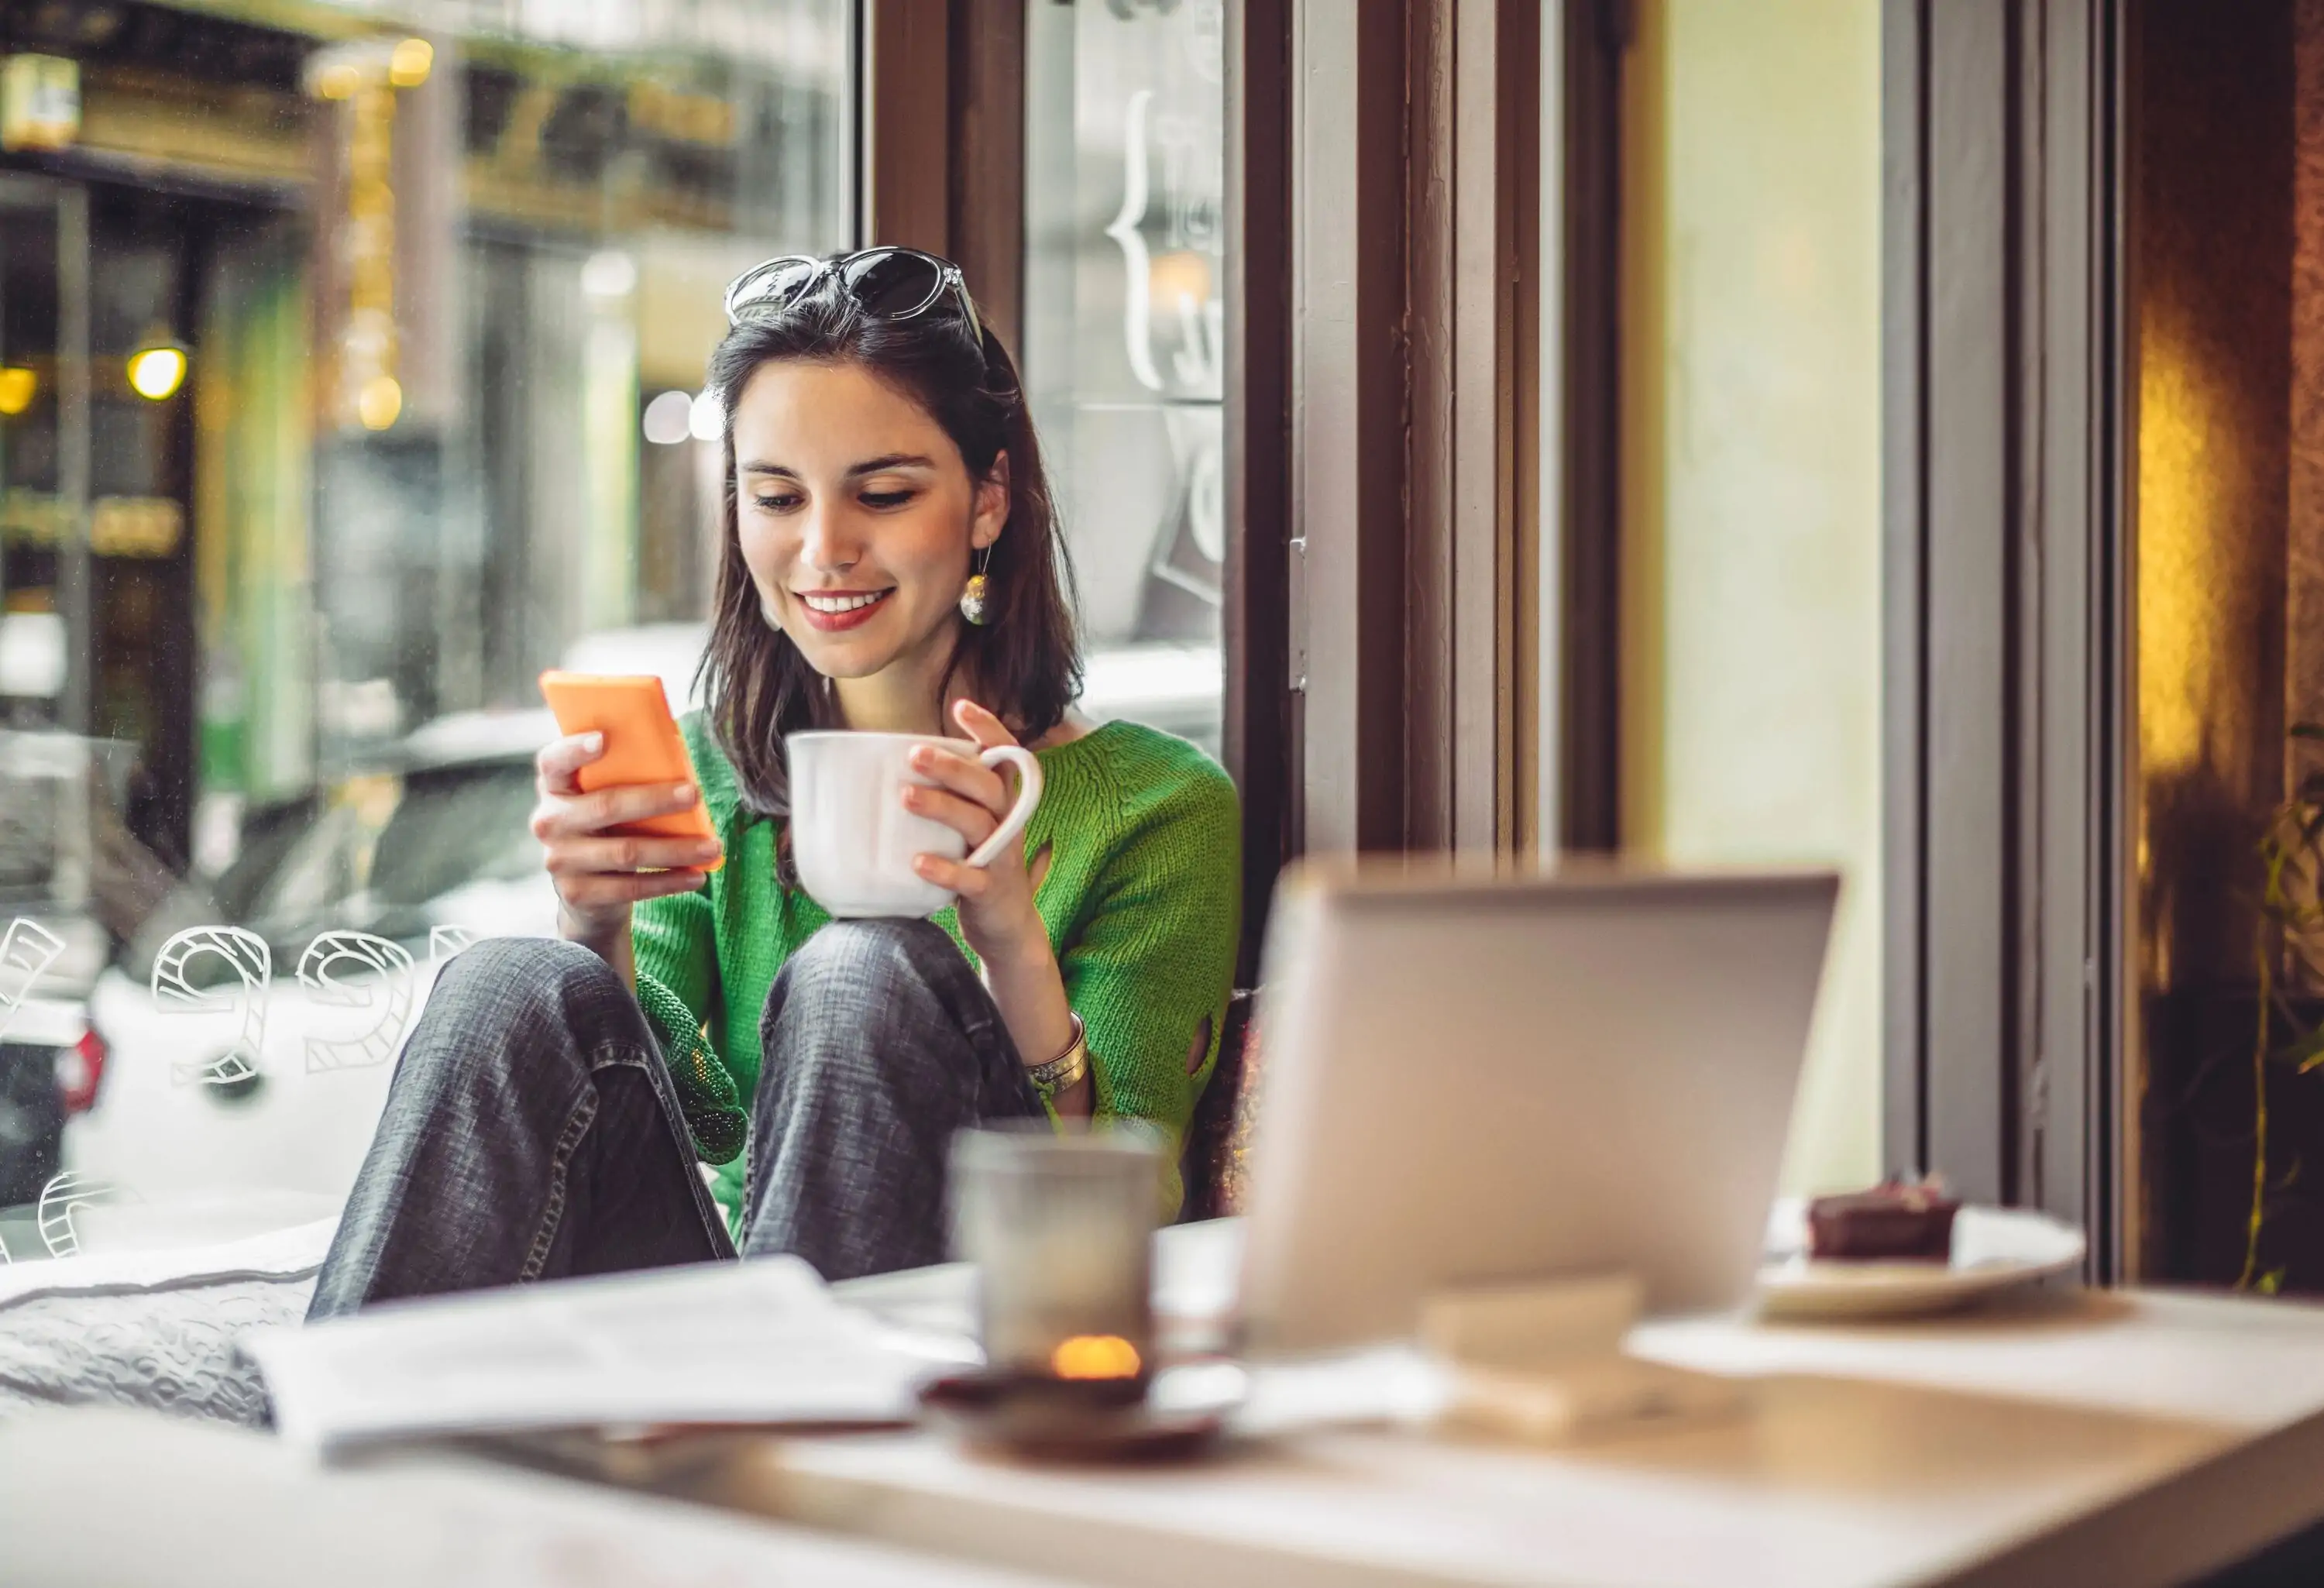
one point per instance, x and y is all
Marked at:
(136, 1499)
(2068, 1438)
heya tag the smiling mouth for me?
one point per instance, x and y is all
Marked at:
(834, 604)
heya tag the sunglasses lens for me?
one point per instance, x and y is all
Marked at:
(892, 284)
(781, 282)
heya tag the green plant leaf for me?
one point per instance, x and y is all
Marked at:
(2307, 1052)
(2272, 877)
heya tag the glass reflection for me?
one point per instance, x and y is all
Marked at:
(329, 343)
(1125, 269)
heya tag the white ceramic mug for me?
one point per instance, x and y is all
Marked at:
(851, 838)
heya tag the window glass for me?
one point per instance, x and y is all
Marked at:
(348, 367)
(1124, 336)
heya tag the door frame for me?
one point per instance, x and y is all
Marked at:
(1416, 452)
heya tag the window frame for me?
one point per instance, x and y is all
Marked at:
(2010, 1010)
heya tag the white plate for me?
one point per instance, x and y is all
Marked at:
(1995, 1249)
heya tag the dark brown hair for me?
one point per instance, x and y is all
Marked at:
(1025, 661)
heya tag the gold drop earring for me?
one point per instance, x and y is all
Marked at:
(973, 606)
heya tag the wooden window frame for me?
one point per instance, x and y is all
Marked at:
(2006, 569)
(941, 151)
(1416, 285)
(1262, 740)
(1595, 40)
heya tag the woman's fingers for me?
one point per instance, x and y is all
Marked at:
(980, 724)
(624, 852)
(610, 890)
(598, 873)
(579, 815)
(971, 820)
(971, 779)
(956, 876)
(558, 766)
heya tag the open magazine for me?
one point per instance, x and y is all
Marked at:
(761, 1343)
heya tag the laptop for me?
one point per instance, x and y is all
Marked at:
(1475, 1081)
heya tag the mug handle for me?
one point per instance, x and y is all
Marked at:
(1028, 795)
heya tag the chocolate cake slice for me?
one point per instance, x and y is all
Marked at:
(1892, 1222)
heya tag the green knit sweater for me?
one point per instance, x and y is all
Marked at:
(1141, 898)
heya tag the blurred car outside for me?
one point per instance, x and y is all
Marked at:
(59, 880)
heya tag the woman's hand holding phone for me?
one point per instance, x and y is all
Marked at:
(600, 873)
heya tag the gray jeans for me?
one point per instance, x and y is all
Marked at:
(532, 1130)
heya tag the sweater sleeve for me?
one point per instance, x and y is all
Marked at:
(676, 948)
(1153, 964)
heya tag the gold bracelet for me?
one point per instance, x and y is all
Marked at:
(1064, 1071)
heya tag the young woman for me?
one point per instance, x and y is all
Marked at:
(707, 1063)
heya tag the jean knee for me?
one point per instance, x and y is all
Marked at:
(498, 966)
(873, 965)
(881, 947)
(495, 1000)
(867, 977)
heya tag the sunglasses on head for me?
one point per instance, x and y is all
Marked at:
(886, 284)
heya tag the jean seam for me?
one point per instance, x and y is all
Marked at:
(560, 1157)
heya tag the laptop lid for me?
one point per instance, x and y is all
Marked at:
(1490, 1080)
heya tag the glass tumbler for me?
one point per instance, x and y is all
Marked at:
(1061, 1231)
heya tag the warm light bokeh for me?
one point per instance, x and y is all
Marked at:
(379, 403)
(409, 64)
(1095, 1356)
(155, 374)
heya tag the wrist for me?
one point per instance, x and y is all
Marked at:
(1020, 953)
(598, 932)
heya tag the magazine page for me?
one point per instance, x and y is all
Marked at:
(757, 1343)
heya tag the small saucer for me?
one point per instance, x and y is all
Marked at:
(1055, 1419)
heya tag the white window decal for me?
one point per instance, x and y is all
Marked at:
(59, 1200)
(245, 953)
(28, 949)
(1136, 268)
(356, 970)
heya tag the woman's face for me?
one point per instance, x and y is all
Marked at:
(857, 517)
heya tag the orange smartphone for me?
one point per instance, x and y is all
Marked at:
(643, 745)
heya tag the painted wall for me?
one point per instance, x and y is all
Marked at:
(1752, 485)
